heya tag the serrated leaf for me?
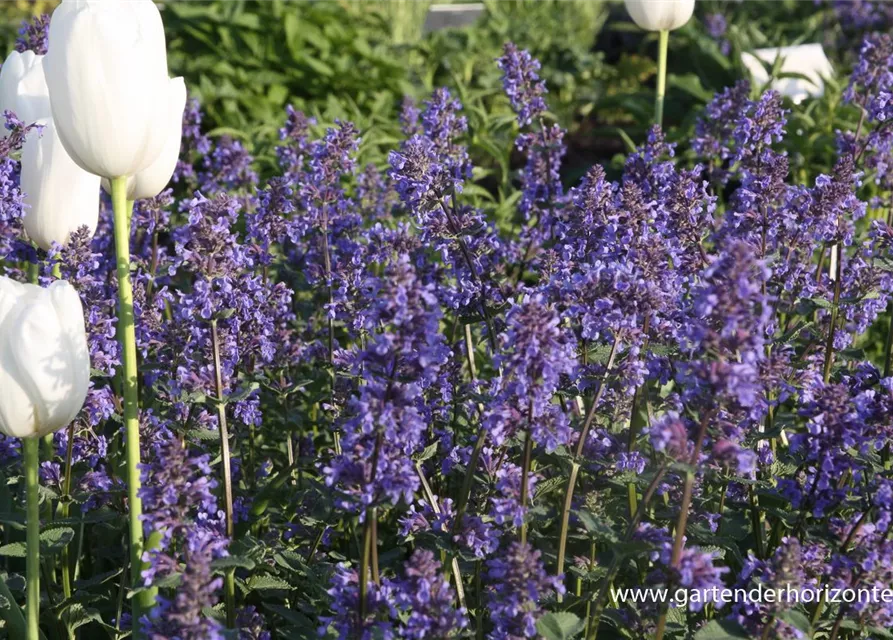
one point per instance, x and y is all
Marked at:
(233, 562)
(546, 487)
(260, 583)
(77, 616)
(14, 550)
(55, 540)
(597, 527)
(561, 625)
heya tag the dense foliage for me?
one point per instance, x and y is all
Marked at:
(471, 401)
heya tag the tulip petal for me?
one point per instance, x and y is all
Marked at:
(15, 67)
(16, 408)
(70, 312)
(17, 417)
(60, 197)
(11, 292)
(151, 181)
(660, 15)
(32, 95)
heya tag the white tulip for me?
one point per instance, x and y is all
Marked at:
(660, 15)
(44, 359)
(60, 197)
(14, 69)
(807, 60)
(148, 183)
(109, 88)
(32, 101)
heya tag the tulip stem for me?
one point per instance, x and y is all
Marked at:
(662, 41)
(144, 600)
(31, 452)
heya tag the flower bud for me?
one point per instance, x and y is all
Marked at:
(59, 196)
(106, 69)
(15, 67)
(32, 98)
(44, 359)
(660, 15)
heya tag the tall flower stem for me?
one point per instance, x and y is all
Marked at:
(330, 338)
(682, 522)
(662, 41)
(64, 511)
(145, 599)
(31, 448)
(229, 584)
(829, 345)
(575, 465)
(599, 602)
(525, 480)
(639, 398)
(370, 542)
(435, 506)
(888, 345)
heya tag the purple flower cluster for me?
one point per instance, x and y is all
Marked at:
(34, 35)
(522, 84)
(517, 587)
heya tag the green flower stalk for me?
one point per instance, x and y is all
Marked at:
(662, 16)
(145, 599)
(662, 42)
(31, 450)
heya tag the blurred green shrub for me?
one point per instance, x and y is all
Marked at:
(355, 60)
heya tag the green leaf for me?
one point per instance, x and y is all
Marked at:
(243, 392)
(598, 528)
(77, 616)
(722, 630)
(821, 303)
(428, 452)
(98, 579)
(12, 614)
(293, 617)
(852, 625)
(559, 626)
(55, 540)
(14, 550)
(260, 583)
(797, 620)
(231, 562)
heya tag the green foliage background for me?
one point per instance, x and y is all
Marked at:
(338, 59)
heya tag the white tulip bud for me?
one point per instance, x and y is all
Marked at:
(106, 69)
(60, 197)
(660, 15)
(44, 359)
(15, 67)
(32, 100)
